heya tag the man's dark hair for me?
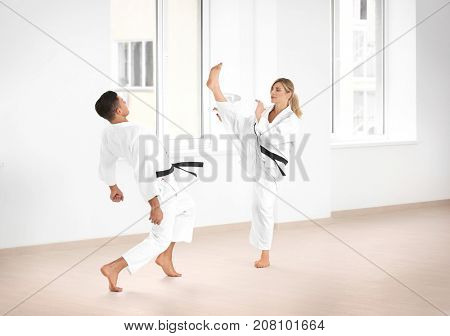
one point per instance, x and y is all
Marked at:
(107, 105)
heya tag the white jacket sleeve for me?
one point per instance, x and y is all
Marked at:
(238, 124)
(107, 166)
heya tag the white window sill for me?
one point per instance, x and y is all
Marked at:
(369, 143)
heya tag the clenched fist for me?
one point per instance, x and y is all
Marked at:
(259, 109)
(116, 194)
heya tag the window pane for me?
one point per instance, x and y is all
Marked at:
(148, 63)
(358, 52)
(136, 63)
(358, 111)
(363, 10)
(182, 102)
(131, 22)
(358, 35)
(123, 64)
(371, 103)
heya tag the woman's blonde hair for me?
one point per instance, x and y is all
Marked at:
(293, 101)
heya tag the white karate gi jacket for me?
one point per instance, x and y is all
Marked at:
(276, 137)
(123, 140)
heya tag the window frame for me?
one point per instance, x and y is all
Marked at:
(337, 138)
(142, 87)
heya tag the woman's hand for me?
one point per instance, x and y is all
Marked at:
(259, 109)
(116, 194)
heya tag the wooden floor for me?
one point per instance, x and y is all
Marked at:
(313, 272)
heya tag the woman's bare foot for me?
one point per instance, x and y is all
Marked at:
(213, 80)
(263, 261)
(166, 264)
(111, 273)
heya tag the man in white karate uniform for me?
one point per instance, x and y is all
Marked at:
(172, 210)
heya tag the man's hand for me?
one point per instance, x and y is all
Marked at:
(156, 215)
(259, 109)
(116, 194)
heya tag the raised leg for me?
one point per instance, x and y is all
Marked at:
(213, 83)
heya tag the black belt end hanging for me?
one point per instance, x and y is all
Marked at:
(178, 165)
(275, 158)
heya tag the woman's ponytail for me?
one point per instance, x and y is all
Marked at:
(295, 105)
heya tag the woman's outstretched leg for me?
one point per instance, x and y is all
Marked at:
(213, 83)
(263, 218)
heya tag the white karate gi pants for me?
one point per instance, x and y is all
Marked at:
(264, 196)
(176, 226)
(265, 191)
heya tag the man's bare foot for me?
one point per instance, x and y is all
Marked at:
(166, 264)
(264, 260)
(111, 273)
(213, 80)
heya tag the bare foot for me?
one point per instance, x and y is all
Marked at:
(213, 80)
(263, 261)
(110, 272)
(166, 264)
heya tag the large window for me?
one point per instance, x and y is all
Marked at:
(157, 63)
(182, 68)
(358, 69)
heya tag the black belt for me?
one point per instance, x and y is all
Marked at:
(178, 165)
(275, 158)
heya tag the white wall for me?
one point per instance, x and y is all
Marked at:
(385, 175)
(50, 133)
(400, 71)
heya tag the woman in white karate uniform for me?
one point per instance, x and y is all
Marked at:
(266, 138)
(172, 210)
